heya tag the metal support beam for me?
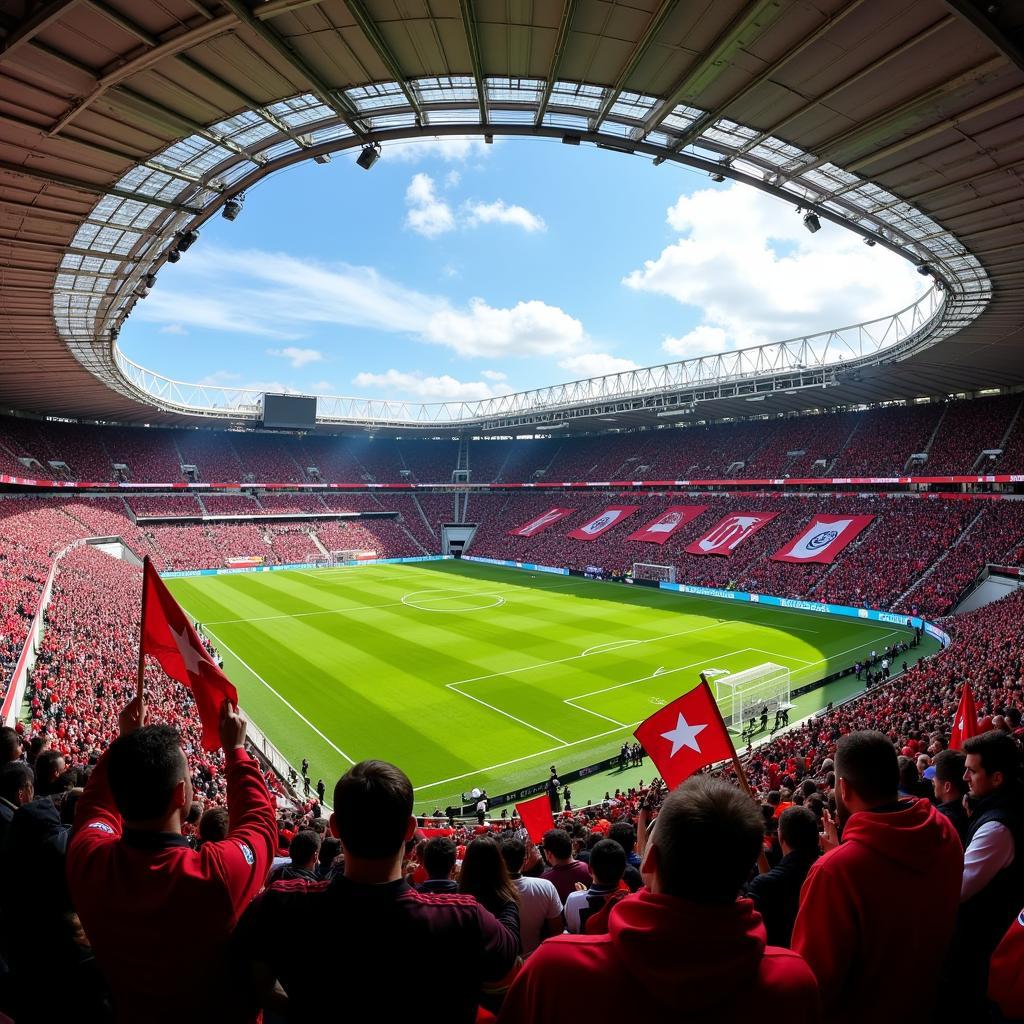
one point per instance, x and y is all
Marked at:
(640, 50)
(473, 42)
(33, 25)
(323, 92)
(564, 28)
(373, 36)
(988, 28)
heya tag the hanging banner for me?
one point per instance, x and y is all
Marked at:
(727, 535)
(674, 518)
(541, 522)
(611, 516)
(822, 540)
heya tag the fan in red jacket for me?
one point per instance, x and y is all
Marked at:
(1005, 977)
(685, 949)
(880, 907)
(158, 913)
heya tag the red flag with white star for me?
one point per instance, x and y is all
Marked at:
(965, 722)
(168, 635)
(685, 736)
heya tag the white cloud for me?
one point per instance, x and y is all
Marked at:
(173, 329)
(454, 149)
(747, 264)
(528, 328)
(596, 364)
(298, 357)
(493, 375)
(441, 388)
(452, 179)
(499, 212)
(281, 296)
(427, 215)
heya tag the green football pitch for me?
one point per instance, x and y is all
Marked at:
(473, 675)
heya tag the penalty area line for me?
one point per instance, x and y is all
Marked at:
(551, 736)
(291, 707)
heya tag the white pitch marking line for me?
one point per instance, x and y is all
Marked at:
(283, 700)
(612, 645)
(552, 736)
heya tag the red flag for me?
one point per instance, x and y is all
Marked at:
(536, 816)
(685, 736)
(965, 722)
(168, 635)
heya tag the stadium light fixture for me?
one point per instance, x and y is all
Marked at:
(233, 207)
(186, 240)
(717, 176)
(811, 222)
(924, 269)
(150, 279)
(322, 158)
(173, 256)
(870, 242)
(369, 155)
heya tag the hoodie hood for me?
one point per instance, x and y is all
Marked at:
(911, 836)
(684, 954)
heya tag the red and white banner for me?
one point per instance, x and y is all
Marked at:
(727, 534)
(541, 522)
(674, 518)
(611, 516)
(822, 540)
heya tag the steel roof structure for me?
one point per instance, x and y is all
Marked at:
(126, 124)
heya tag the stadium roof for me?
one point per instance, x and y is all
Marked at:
(126, 123)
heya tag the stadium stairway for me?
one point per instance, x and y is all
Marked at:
(898, 603)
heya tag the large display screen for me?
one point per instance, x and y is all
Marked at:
(289, 412)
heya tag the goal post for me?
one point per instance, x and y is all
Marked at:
(654, 572)
(745, 695)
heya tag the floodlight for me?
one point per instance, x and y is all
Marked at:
(323, 158)
(233, 207)
(149, 280)
(173, 256)
(924, 269)
(811, 222)
(369, 156)
(870, 242)
(716, 176)
(186, 239)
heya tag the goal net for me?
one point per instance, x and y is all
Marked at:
(650, 571)
(746, 695)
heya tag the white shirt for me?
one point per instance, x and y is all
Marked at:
(576, 902)
(986, 855)
(538, 901)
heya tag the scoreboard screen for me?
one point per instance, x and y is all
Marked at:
(289, 412)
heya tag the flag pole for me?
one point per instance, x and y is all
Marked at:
(142, 627)
(762, 860)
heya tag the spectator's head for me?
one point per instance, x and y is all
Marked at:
(909, 777)
(38, 743)
(10, 745)
(373, 818)
(17, 783)
(213, 825)
(304, 849)
(330, 848)
(557, 846)
(439, 857)
(149, 779)
(798, 831)
(948, 780)
(49, 767)
(484, 875)
(867, 772)
(513, 849)
(623, 833)
(195, 813)
(704, 842)
(607, 863)
(992, 763)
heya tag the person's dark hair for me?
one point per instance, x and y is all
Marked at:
(949, 767)
(798, 828)
(305, 847)
(213, 825)
(143, 768)
(49, 772)
(485, 876)
(329, 849)
(998, 752)
(807, 787)
(608, 862)
(10, 744)
(439, 857)
(707, 836)
(513, 849)
(36, 745)
(372, 808)
(623, 833)
(558, 843)
(13, 776)
(195, 812)
(909, 776)
(867, 762)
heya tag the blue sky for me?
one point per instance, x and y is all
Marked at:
(462, 270)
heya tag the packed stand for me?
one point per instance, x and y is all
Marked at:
(967, 429)
(164, 505)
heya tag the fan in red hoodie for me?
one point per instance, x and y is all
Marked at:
(853, 926)
(684, 949)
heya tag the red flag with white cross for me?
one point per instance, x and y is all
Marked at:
(965, 722)
(685, 736)
(168, 635)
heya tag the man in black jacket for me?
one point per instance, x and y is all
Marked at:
(776, 894)
(947, 778)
